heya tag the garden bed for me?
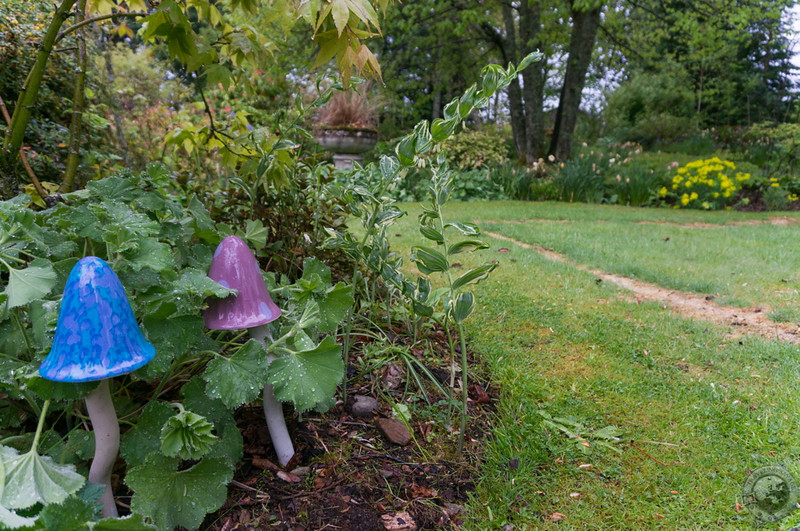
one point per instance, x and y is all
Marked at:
(348, 474)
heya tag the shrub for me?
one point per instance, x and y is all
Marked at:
(710, 184)
(476, 149)
(651, 108)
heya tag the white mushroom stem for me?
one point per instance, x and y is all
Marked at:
(106, 443)
(273, 409)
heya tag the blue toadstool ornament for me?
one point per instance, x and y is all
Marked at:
(97, 337)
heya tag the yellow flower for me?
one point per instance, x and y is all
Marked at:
(775, 185)
(792, 197)
(693, 196)
(663, 191)
(685, 199)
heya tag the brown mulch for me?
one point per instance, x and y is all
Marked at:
(347, 475)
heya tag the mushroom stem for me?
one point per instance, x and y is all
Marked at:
(106, 441)
(273, 409)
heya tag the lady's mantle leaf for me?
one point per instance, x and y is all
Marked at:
(25, 285)
(240, 378)
(308, 378)
(333, 308)
(229, 445)
(31, 478)
(175, 498)
(144, 440)
(11, 520)
(187, 435)
(72, 514)
(132, 522)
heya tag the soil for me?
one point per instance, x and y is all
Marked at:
(347, 475)
(741, 321)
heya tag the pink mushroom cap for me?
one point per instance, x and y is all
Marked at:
(235, 267)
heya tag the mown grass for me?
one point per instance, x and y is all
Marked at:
(697, 410)
(748, 265)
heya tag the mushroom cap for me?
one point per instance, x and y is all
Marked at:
(97, 336)
(235, 267)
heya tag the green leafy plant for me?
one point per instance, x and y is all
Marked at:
(177, 463)
(480, 148)
(458, 302)
(584, 438)
(376, 211)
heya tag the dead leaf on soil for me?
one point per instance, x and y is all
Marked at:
(264, 464)
(479, 395)
(421, 491)
(288, 477)
(398, 522)
(392, 376)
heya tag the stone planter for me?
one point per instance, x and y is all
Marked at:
(346, 144)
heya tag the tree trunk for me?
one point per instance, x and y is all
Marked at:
(9, 176)
(533, 78)
(436, 111)
(584, 31)
(113, 101)
(515, 106)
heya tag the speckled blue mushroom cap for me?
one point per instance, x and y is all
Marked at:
(97, 336)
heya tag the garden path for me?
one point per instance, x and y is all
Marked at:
(740, 321)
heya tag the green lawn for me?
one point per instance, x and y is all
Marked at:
(696, 410)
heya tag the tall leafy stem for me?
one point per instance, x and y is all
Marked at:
(376, 212)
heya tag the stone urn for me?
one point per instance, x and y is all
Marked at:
(346, 143)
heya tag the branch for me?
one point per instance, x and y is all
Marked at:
(214, 131)
(24, 157)
(98, 18)
(76, 123)
(30, 91)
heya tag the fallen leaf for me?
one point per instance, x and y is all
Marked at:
(479, 395)
(421, 491)
(556, 517)
(503, 250)
(574, 494)
(264, 464)
(398, 522)
(288, 477)
(659, 515)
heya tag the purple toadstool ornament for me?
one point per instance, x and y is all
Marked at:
(97, 337)
(235, 267)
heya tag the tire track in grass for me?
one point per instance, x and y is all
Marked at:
(742, 321)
